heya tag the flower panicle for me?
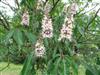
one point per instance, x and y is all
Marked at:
(66, 31)
(25, 19)
(39, 49)
(67, 28)
(47, 29)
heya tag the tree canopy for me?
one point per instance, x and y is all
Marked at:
(52, 37)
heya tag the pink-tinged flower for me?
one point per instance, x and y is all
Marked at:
(39, 50)
(73, 8)
(39, 4)
(47, 29)
(66, 31)
(25, 19)
(47, 8)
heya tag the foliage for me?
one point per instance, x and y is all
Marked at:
(62, 58)
(11, 70)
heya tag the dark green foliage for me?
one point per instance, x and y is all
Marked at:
(62, 57)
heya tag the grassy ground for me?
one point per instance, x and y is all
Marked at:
(81, 70)
(11, 70)
(15, 69)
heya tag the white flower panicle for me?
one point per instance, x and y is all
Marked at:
(39, 4)
(47, 8)
(25, 19)
(39, 49)
(47, 29)
(73, 9)
(66, 30)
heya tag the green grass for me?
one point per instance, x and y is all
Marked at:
(15, 69)
(81, 70)
(12, 69)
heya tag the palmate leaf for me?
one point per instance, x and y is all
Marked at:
(18, 37)
(64, 64)
(67, 61)
(28, 66)
(90, 70)
(75, 68)
(56, 68)
(81, 31)
(69, 66)
(50, 69)
(31, 37)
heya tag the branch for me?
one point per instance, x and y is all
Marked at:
(4, 20)
(83, 9)
(4, 24)
(12, 8)
(53, 2)
(7, 61)
(54, 5)
(86, 28)
(93, 18)
(16, 1)
(89, 10)
(46, 2)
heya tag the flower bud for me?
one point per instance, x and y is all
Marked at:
(25, 19)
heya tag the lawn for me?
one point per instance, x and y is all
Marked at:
(15, 69)
(11, 70)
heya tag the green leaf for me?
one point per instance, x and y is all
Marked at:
(75, 68)
(28, 66)
(51, 62)
(56, 70)
(88, 72)
(81, 30)
(46, 42)
(90, 69)
(9, 35)
(64, 63)
(68, 64)
(31, 37)
(98, 60)
(18, 37)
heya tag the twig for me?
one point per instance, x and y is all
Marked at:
(86, 28)
(5, 20)
(89, 10)
(53, 2)
(7, 60)
(93, 18)
(46, 2)
(83, 9)
(54, 5)
(4, 24)
(16, 1)
(12, 8)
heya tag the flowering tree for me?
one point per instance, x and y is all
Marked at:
(54, 37)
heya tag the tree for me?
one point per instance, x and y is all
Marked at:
(41, 32)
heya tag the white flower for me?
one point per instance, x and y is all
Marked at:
(73, 8)
(47, 33)
(66, 31)
(66, 7)
(47, 8)
(11, 41)
(25, 19)
(39, 4)
(39, 50)
(47, 29)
